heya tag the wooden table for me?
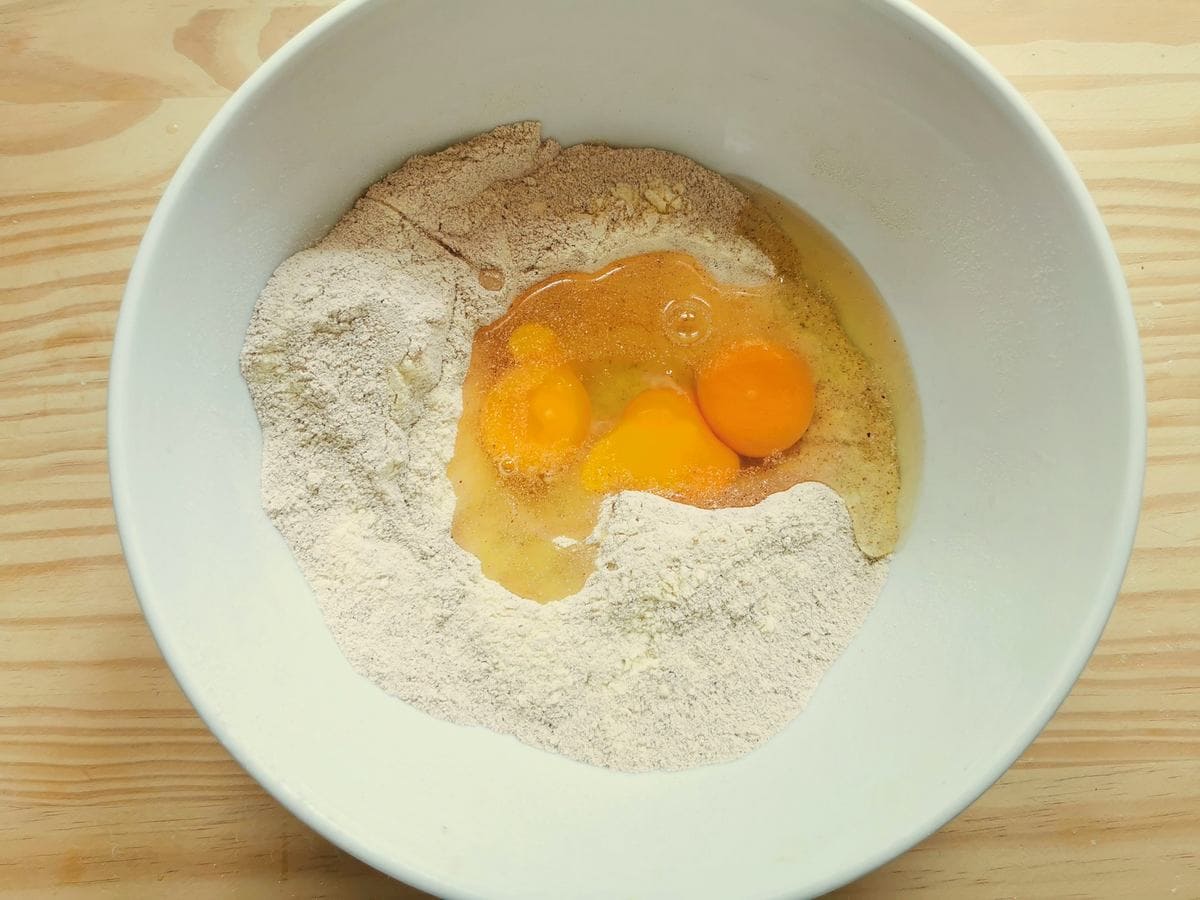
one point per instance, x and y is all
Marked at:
(109, 783)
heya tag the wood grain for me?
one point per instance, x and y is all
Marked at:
(110, 785)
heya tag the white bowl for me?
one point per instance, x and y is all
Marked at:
(979, 234)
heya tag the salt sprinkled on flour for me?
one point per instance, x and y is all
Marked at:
(701, 633)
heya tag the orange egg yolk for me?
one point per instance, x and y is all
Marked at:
(757, 396)
(538, 413)
(662, 444)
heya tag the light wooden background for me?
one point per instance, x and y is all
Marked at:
(109, 784)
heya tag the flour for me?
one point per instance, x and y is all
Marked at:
(701, 633)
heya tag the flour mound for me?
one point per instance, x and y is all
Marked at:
(701, 633)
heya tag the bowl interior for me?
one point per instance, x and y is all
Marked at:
(1003, 286)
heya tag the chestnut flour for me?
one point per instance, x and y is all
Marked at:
(701, 632)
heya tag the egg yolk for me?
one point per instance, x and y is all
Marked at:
(757, 396)
(538, 413)
(661, 444)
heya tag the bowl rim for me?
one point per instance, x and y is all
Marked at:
(988, 79)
